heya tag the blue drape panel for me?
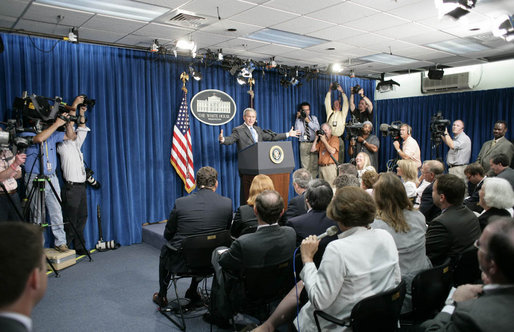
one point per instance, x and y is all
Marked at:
(138, 95)
(478, 109)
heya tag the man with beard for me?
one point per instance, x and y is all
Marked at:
(367, 143)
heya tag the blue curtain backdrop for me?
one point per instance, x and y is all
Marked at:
(138, 95)
(478, 109)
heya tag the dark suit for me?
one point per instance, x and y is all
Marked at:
(472, 201)
(493, 212)
(243, 137)
(11, 325)
(201, 212)
(507, 174)
(427, 206)
(245, 217)
(451, 233)
(489, 150)
(491, 311)
(296, 206)
(269, 245)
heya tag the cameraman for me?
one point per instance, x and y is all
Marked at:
(48, 139)
(410, 148)
(327, 146)
(364, 112)
(10, 170)
(460, 149)
(74, 197)
(366, 143)
(336, 116)
(307, 125)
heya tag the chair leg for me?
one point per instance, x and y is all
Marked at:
(182, 323)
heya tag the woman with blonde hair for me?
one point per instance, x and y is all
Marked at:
(245, 218)
(408, 171)
(396, 215)
(363, 164)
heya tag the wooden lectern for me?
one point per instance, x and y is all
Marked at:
(274, 159)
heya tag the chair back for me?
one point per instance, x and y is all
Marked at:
(263, 285)
(466, 270)
(429, 291)
(197, 250)
(379, 312)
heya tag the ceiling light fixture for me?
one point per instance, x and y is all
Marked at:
(337, 68)
(155, 46)
(285, 38)
(220, 55)
(454, 8)
(119, 8)
(73, 36)
(503, 26)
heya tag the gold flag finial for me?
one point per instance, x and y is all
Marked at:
(184, 77)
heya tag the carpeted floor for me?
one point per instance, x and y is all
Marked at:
(111, 293)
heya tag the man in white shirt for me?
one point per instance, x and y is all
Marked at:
(23, 274)
(410, 148)
(74, 178)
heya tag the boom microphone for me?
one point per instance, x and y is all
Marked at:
(332, 230)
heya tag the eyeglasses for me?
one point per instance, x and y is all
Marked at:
(476, 244)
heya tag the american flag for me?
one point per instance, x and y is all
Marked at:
(181, 149)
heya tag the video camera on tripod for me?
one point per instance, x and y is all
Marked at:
(437, 128)
(354, 129)
(10, 140)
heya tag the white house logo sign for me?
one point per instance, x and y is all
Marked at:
(213, 107)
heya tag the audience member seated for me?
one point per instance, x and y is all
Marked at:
(407, 226)
(23, 274)
(315, 221)
(201, 212)
(347, 168)
(457, 227)
(245, 216)
(430, 170)
(344, 180)
(475, 174)
(361, 263)
(408, 172)
(368, 180)
(363, 164)
(496, 198)
(271, 244)
(500, 166)
(484, 307)
(296, 205)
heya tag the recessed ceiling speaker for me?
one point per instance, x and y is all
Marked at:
(435, 74)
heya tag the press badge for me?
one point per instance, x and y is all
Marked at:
(305, 137)
(334, 123)
(49, 166)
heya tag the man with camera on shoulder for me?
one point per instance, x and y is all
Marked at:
(74, 196)
(327, 147)
(364, 111)
(460, 149)
(47, 139)
(367, 143)
(307, 125)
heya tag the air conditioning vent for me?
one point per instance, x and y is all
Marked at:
(452, 82)
(185, 19)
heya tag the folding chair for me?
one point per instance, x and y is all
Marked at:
(466, 270)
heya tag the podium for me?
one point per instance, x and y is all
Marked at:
(274, 159)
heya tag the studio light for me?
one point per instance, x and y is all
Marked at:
(220, 55)
(337, 68)
(503, 27)
(352, 74)
(155, 46)
(454, 8)
(241, 79)
(195, 73)
(185, 44)
(73, 36)
(435, 74)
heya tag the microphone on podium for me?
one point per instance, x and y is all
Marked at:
(332, 230)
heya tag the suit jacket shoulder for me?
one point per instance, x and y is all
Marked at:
(11, 325)
(296, 207)
(427, 206)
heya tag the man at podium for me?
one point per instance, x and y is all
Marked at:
(248, 133)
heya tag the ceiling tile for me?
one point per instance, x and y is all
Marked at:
(421, 53)
(385, 5)
(241, 44)
(388, 46)
(205, 39)
(221, 27)
(48, 14)
(343, 12)
(13, 8)
(7, 21)
(273, 49)
(112, 24)
(41, 27)
(425, 38)
(367, 39)
(301, 6)
(156, 30)
(227, 8)
(263, 16)
(405, 30)
(416, 11)
(337, 32)
(339, 47)
(141, 41)
(101, 35)
(302, 25)
(378, 22)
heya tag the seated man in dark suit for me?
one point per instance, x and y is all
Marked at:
(201, 212)
(455, 230)
(500, 166)
(23, 274)
(430, 170)
(484, 307)
(296, 206)
(271, 244)
(315, 221)
(476, 176)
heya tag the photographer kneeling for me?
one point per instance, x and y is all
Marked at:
(327, 147)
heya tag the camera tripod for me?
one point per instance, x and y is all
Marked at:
(39, 184)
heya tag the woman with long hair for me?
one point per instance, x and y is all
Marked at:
(245, 218)
(363, 164)
(408, 171)
(396, 215)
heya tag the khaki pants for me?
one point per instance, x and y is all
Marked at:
(459, 171)
(328, 173)
(308, 159)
